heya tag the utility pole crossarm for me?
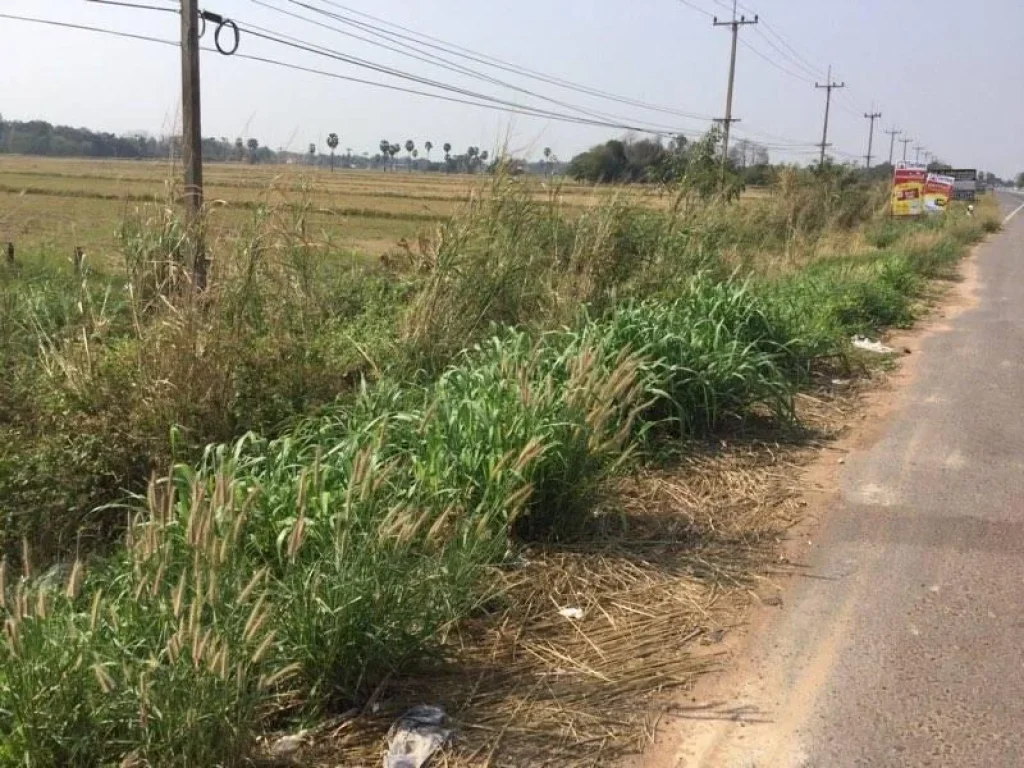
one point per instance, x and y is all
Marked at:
(727, 122)
(905, 142)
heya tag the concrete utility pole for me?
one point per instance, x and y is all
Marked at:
(872, 116)
(728, 121)
(892, 142)
(904, 142)
(192, 138)
(828, 86)
(917, 154)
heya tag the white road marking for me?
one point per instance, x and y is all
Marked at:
(1014, 213)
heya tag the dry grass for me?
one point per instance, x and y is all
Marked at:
(680, 552)
(59, 203)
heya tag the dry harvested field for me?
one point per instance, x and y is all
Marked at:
(56, 204)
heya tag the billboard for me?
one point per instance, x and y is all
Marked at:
(908, 191)
(938, 191)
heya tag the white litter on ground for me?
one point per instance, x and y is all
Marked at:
(863, 342)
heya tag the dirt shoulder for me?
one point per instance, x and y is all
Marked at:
(702, 727)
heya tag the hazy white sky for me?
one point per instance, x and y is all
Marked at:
(945, 71)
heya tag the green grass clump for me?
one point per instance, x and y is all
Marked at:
(712, 353)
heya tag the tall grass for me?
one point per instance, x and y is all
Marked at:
(116, 375)
(341, 538)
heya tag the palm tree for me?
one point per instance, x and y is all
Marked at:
(447, 156)
(428, 145)
(471, 154)
(239, 147)
(385, 151)
(393, 150)
(332, 142)
(484, 155)
(410, 145)
(547, 160)
(253, 145)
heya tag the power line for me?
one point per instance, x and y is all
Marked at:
(455, 67)
(497, 105)
(422, 39)
(776, 64)
(516, 109)
(137, 6)
(87, 28)
(778, 35)
(485, 59)
(697, 8)
(597, 119)
(789, 57)
(790, 53)
(286, 40)
(526, 111)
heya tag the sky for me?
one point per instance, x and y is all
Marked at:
(945, 72)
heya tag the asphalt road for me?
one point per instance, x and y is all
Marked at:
(903, 645)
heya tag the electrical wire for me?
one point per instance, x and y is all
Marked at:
(285, 40)
(487, 60)
(615, 122)
(455, 67)
(497, 104)
(696, 8)
(88, 28)
(527, 111)
(788, 57)
(775, 64)
(137, 6)
(778, 35)
(425, 40)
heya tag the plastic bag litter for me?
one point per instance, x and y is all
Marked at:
(863, 342)
(571, 613)
(416, 736)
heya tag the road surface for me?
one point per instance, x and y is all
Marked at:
(903, 645)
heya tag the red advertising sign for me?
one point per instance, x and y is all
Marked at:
(908, 191)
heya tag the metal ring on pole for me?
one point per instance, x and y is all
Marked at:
(202, 25)
(234, 30)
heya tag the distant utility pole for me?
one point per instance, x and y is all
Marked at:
(192, 139)
(904, 142)
(728, 121)
(892, 142)
(872, 116)
(917, 154)
(828, 86)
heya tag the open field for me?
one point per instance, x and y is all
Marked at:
(58, 204)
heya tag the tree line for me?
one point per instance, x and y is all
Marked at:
(630, 160)
(38, 137)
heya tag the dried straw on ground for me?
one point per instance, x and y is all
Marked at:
(679, 552)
